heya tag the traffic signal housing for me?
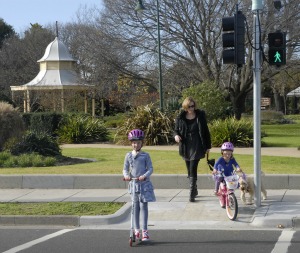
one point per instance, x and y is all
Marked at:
(233, 38)
(277, 48)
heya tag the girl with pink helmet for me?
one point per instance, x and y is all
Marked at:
(225, 163)
(138, 164)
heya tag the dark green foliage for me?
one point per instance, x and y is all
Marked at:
(158, 126)
(81, 129)
(239, 132)
(11, 124)
(37, 142)
(6, 31)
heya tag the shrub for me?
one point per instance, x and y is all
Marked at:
(157, 125)
(81, 129)
(24, 161)
(274, 117)
(239, 132)
(114, 121)
(10, 162)
(38, 161)
(49, 161)
(4, 156)
(40, 143)
(11, 124)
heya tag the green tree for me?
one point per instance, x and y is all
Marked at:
(6, 31)
(210, 98)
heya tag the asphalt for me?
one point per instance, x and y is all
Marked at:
(172, 210)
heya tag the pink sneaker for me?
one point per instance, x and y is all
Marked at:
(145, 236)
(137, 234)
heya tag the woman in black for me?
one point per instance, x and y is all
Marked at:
(192, 134)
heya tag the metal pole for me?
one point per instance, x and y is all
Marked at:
(161, 99)
(256, 108)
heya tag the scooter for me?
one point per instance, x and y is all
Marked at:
(132, 238)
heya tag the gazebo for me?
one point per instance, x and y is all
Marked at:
(57, 78)
(295, 94)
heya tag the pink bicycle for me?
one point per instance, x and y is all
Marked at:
(226, 194)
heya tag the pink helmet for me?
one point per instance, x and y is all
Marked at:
(136, 134)
(227, 146)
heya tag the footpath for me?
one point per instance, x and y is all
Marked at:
(172, 210)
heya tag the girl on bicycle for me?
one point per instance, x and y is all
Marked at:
(225, 163)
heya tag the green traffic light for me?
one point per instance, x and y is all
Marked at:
(277, 57)
(277, 48)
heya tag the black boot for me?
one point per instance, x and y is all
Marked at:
(193, 189)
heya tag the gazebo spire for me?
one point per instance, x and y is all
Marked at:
(56, 29)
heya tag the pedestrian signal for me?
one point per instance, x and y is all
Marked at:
(277, 48)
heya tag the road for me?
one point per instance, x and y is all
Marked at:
(92, 240)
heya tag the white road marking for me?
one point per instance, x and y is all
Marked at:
(34, 242)
(284, 241)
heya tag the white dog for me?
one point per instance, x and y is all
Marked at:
(247, 186)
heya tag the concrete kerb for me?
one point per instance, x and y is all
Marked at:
(119, 216)
(44, 220)
(107, 181)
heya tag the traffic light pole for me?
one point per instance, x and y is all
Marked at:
(256, 103)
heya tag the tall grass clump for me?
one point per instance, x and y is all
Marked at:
(8, 160)
(82, 129)
(239, 132)
(11, 124)
(157, 125)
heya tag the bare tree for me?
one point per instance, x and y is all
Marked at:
(191, 37)
(102, 60)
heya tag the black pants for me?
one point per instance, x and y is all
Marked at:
(192, 167)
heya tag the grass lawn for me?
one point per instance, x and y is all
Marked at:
(285, 135)
(59, 208)
(110, 161)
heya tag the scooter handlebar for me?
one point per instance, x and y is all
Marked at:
(133, 178)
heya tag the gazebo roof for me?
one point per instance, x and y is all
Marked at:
(56, 51)
(294, 93)
(54, 77)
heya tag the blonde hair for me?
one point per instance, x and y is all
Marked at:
(186, 103)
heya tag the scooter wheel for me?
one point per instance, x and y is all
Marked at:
(130, 242)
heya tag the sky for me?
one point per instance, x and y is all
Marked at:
(20, 13)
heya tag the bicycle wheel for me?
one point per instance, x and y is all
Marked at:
(231, 206)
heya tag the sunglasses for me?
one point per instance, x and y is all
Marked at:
(191, 106)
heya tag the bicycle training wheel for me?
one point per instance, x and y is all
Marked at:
(232, 206)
